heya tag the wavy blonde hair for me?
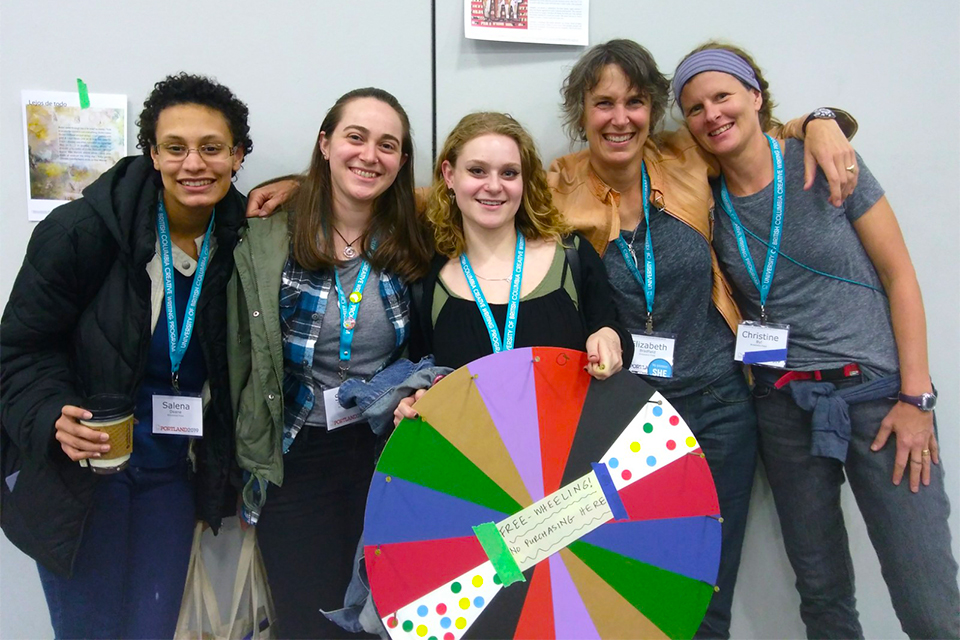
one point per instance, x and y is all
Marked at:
(536, 218)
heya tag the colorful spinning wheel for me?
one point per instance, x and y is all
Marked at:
(531, 501)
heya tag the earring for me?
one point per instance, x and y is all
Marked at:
(452, 195)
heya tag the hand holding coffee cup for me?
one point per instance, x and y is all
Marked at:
(100, 435)
(77, 441)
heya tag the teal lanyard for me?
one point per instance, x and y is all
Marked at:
(513, 308)
(179, 341)
(349, 308)
(763, 283)
(649, 283)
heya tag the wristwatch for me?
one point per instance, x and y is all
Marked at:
(818, 114)
(924, 401)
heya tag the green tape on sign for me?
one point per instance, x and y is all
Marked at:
(496, 550)
(84, 96)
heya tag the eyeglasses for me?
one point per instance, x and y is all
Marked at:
(210, 152)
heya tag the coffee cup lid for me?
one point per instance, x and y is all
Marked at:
(109, 406)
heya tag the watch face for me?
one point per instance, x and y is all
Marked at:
(928, 401)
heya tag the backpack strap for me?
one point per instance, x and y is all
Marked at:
(572, 254)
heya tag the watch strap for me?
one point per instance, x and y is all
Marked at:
(823, 113)
(924, 401)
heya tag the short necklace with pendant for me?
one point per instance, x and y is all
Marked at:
(348, 251)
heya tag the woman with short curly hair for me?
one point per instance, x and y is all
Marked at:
(643, 199)
(123, 292)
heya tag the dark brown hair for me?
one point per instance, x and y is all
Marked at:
(403, 246)
(636, 63)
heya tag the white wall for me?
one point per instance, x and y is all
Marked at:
(288, 60)
(895, 65)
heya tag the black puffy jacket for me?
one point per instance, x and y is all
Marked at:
(78, 323)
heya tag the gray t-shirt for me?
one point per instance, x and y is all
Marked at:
(374, 338)
(683, 304)
(832, 323)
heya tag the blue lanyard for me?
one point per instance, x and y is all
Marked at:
(649, 283)
(349, 310)
(513, 309)
(776, 229)
(178, 346)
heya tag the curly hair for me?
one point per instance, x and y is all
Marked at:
(536, 218)
(403, 243)
(636, 63)
(186, 88)
(767, 121)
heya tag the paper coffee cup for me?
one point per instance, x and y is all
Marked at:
(113, 415)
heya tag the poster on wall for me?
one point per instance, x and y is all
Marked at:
(534, 21)
(68, 145)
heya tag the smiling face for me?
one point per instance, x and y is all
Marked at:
(721, 113)
(194, 184)
(487, 180)
(616, 120)
(364, 152)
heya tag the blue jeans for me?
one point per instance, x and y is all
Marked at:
(130, 569)
(722, 418)
(909, 531)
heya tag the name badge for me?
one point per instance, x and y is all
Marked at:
(178, 416)
(764, 344)
(337, 416)
(653, 354)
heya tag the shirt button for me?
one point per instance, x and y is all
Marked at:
(316, 316)
(256, 314)
(185, 265)
(270, 396)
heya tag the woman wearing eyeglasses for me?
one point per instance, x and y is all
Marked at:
(123, 292)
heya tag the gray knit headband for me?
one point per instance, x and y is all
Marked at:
(713, 60)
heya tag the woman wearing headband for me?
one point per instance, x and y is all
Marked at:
(643, 199)
(838, 334)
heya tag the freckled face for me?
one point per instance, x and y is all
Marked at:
(721, 113)
(487, 180)
(616, 120)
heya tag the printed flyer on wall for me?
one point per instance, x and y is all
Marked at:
(534, 21)
(68, 145)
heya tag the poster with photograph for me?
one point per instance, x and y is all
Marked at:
(68, 147)
(534, 21)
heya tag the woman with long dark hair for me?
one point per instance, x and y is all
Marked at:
(320, 296)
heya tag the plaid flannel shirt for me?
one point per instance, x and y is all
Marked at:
(303, 302)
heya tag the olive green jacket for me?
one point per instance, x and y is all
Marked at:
(255, 355)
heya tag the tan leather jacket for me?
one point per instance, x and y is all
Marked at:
(679, 173)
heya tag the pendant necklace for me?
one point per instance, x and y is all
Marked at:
(348, 251)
